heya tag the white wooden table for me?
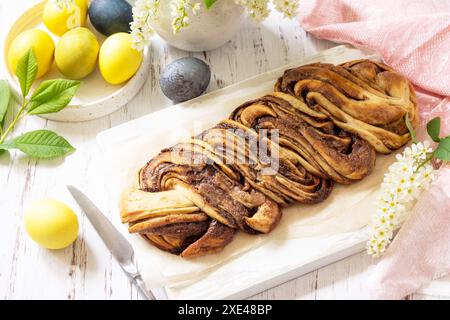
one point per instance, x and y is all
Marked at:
(86, 270)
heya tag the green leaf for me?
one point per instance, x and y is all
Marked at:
(443, 150)
(52, 96)
(26, 71)
(209, 3)
(434, 128)
(40, 144)
(6, 146)
(410, 127)
(5, 95)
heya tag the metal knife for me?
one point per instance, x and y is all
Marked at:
(120, 248)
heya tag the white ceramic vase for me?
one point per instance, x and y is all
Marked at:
(208, 30)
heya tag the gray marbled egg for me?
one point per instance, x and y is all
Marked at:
(185, 79)
(110, 16)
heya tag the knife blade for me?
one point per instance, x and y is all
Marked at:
(120, 248)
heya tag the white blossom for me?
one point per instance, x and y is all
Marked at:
(144, 10)
(405, 180)
(287, 7)
(180, 13)
(258, 9)
(141, 31)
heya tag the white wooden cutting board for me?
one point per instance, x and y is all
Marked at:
(158, 130)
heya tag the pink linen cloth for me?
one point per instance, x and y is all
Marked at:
(413, 37)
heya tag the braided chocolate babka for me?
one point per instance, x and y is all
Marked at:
(309, 138)
(362, 97)
(323, 124)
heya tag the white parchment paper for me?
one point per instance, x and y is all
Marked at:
(304, 235)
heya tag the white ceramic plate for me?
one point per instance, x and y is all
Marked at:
(95, 98)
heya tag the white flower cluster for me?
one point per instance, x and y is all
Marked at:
(144, 10)
(258, 9)
(180, 11)
(287, 7)
(141, 30)
(405, 180)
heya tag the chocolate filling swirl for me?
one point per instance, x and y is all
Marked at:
(323, 124)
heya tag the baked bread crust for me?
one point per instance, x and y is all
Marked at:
(363, 97)
(329, 121)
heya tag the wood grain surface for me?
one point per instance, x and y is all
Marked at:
(86, 269)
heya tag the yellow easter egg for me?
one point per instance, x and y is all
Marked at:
(43, 48)
(76, 53)
(118, 61)
(51, 224)
(59, 17)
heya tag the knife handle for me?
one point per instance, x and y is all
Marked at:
(142, 288)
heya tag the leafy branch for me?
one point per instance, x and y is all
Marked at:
(51, 96)
(442, 150)
(5, 96)
(403, 183)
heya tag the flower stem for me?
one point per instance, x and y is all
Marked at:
(428, 159)
(14, 122)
